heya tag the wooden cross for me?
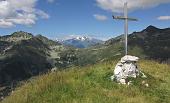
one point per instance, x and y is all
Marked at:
(126, 19)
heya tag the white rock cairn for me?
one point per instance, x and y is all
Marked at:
(125, 68)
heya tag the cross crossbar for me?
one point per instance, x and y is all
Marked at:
(124, 18)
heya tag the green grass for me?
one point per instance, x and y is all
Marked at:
(92, 84)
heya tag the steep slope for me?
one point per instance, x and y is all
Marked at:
(155, 42)
(47, 41)
(92, 84)
(23, 60)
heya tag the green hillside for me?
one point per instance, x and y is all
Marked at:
(92, 84)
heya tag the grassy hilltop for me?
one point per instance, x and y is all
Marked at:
(92, 84)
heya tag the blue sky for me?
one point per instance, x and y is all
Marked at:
(60, 18)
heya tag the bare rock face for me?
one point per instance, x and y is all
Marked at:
(126, 68)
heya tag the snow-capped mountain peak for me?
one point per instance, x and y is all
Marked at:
(83, 38)
(80, 41)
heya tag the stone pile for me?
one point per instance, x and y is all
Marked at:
(127, 68)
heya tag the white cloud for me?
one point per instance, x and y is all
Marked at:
(5, 24)
(23, 12)
(163, 18)
(100, 17)
(117, 5)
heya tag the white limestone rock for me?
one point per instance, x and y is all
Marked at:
(125, 68)
(129, 58)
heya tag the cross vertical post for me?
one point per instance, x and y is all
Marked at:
(126, 27)
(126, 19)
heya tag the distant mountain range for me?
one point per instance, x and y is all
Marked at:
(81, 42)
